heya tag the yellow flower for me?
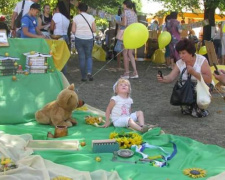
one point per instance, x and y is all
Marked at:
(93, 120)
(195, 172)
(5, 161)
(82, 108)
(113, 135)
(126, 140)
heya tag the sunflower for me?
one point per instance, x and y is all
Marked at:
(126, 140)
(195, 172)
(113, 135)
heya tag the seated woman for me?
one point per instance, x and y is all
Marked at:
(196, 65)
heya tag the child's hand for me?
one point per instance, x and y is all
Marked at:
(107, 124)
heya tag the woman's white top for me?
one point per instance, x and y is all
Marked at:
(197, 66)
(61, 24)
(83, 31)
(121, 108)
(26, 7)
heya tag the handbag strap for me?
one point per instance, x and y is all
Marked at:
(22, 7)
(180, 78)
(88, 25)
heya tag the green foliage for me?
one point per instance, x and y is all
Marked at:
(192, 5)
(101, 23)
(109, 6)
(180, 5)
(7, 7)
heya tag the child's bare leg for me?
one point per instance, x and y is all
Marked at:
(140, 117)
(134, 125)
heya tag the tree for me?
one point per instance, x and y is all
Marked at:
(209, 10)
(6, 7)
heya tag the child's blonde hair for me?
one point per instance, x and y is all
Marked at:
(122, 80)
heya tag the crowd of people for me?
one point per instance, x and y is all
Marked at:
(29, 20)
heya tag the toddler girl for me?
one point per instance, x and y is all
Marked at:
(119, 108)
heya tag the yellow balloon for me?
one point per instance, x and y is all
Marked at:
(223, 29)
(203, 50)
(164, 39)
(213, 69)
(135, 36)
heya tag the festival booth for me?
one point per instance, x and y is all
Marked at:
(153, 155)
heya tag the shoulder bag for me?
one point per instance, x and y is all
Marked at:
(183, 92)
(17, 22)
(89, 27)
(203, 94)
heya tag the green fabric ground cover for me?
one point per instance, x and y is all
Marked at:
(19, 101)
(190, 153)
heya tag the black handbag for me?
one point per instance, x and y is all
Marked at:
(183, 92)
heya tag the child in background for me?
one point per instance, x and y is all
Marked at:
(119, 109)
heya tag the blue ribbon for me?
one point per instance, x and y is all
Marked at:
(166, 157)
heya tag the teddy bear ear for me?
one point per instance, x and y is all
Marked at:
(71, 87)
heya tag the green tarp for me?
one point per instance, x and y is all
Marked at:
(20, 99)
(190, 153)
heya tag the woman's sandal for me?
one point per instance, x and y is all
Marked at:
(134, 76)
(125, 75)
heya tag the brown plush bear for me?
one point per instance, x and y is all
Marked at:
(59, 112)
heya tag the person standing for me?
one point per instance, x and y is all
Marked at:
(60, 24)
(217, 41)
(44, 20)
(129, 17)
(29, 23)
(16, 32)
(83, 27)
(223, 43)
(167, 52)
(118, 46)
(174, 28)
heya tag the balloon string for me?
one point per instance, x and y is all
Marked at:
(77, 89)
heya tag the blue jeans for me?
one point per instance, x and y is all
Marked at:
(84, 48)
(66, 39)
